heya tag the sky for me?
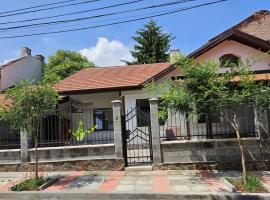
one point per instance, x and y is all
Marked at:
(107, 46)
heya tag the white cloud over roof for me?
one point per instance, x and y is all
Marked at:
(107, 53)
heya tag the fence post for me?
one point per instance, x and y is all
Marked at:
(117, 128)
(261, 123)
(24, 138)
(155, 130)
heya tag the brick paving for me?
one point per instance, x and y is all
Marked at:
(174, 181)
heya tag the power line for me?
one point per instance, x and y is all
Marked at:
(67, 14)
(98, 16)
(50, 8)
(37, 6)
(115, 23)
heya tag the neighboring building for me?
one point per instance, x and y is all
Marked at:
(27, 67)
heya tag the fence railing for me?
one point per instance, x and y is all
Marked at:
(57, 126)
(209, 125)
(9, 139)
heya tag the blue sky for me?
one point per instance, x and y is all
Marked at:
(107, 45)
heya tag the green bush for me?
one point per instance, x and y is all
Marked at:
(29, 184)
(253, 183)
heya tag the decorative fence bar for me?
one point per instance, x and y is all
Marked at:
(57, 126)
(211, 125)
(9, 139)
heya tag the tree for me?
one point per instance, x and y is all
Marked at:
(206, 90)
(152, 45)
(64, 63)
(29, 104)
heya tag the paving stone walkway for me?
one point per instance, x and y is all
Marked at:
(178, 181)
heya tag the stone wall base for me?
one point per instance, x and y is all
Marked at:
(251, 165)
(75, 165)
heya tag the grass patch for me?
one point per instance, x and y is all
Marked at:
(29, 184)
(253, 184)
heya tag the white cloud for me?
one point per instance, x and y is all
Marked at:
(107, 53)
(46, 40)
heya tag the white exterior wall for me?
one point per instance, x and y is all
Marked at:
(259, 60)
(28, 68)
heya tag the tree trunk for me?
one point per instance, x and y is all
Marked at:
(241, 147)
(36, 155)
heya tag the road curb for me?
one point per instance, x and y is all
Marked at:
(113, 196)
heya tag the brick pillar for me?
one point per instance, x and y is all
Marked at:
(155, 130)
(117, 128)
(24, 137)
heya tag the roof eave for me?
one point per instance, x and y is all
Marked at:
(236, 35)
(100, 90)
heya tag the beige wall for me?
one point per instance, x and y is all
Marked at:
(259, 60)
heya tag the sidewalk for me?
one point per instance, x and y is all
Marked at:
(81, 185)
(188, 181)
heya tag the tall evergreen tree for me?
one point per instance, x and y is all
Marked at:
(152, 45)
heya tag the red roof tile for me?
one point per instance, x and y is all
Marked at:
(99, 78)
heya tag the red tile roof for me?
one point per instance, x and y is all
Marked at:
(257, 25)
(109, 78)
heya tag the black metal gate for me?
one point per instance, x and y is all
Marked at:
(137, 141)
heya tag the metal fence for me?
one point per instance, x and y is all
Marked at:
(57, 126)
(209, 125)
(9, 139)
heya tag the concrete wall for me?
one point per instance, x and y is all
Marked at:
(218, 150)
(69, 153)
(28, 68)
(10, 156)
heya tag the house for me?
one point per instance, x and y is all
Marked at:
(27, 67)
(250, 39)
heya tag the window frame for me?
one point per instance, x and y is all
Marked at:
(229, 60)
(103, 118)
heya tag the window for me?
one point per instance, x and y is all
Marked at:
(103, 119)
(175, 78)
(229, 60)
(143, 112)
